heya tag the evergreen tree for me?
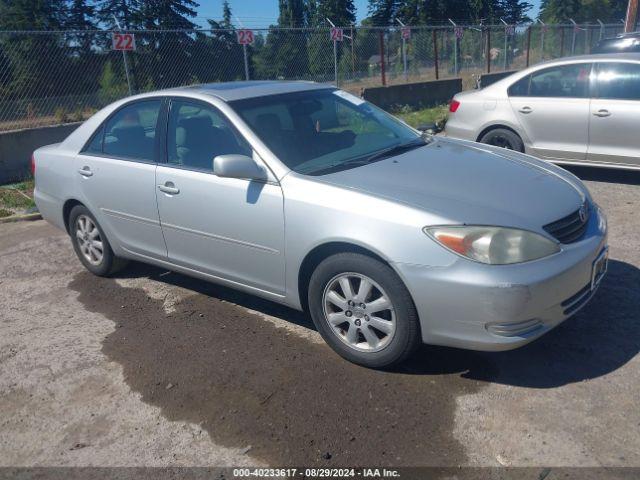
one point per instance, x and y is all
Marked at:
(33, 60)
(226, 14)
(126, 12)
(513, 11)
(383, 12)
(80, 15)
(172, 51)
(292, 13)
(554, 11)
(340, 12)
(169, 14)
(284, 54)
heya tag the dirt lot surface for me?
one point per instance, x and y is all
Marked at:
(152, 368)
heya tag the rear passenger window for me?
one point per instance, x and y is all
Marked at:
(620, 81)
(520, 88)
(566, 81)
(95, 146)
(131, 132)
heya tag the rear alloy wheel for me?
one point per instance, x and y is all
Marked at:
(503, 138)
(91, 244)
(363, 310)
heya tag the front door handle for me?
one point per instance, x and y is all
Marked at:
(602, 113)
(169, 188)
(85, 171)
(526, 110)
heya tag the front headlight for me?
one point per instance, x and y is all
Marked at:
(493, 245)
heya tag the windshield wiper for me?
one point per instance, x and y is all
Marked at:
(396, 150)
(364, 160)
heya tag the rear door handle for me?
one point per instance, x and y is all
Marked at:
(85, 171)
(602, 113)
(526, 110)
(169, 188)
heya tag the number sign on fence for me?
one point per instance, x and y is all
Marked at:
(459, 32)
(123, 41)
(245, 37)
(336, 34)
(406, 32)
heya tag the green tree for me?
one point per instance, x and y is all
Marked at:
(112, 85)
(172, 52)
(284, 53)
(126, 12)
(555, 11)
(34, 59)
(513, 11)
(384, 12)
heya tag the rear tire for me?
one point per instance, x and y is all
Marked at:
(363, 310)
(501, 137)
(91, 244)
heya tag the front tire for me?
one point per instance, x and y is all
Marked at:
(91, 244)
(501, 137)
(363, 310)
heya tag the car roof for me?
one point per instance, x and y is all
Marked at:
(596, 57)
(231, 91)
(622, 35)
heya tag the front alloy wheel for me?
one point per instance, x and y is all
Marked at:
(359, 312)
(363, 310)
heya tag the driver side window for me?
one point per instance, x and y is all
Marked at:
(197, 133)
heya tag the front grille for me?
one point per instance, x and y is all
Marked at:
(570, 228)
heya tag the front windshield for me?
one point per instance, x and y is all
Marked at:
(320, 131)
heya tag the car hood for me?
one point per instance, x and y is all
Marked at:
(467, 183)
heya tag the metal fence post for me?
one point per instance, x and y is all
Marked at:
(435, 52)
(506, 45)
(601, 29)
(573, 38)
(542, 32)
(382, 73)
(455, 47)
(404, 51)
(562, 41)
(124, 59)
(246, 62)
(488, 50)
(528, 44)
(335, 61)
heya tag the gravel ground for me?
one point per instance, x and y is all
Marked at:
(155, 369)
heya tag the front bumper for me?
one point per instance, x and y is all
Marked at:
(501, 307)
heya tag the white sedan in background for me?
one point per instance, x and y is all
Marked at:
(580, 110)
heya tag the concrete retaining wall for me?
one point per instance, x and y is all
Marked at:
(17, 146)
(487, 79)
(416, 95)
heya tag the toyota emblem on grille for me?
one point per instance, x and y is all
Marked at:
(582, 213)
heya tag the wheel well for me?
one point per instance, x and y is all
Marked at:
(495, 127)
(66, 211)
(317, 255)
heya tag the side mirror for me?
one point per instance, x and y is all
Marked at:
(238, 166)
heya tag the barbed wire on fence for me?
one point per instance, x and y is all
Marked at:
(49, 77)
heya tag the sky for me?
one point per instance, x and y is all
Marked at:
(262, 13)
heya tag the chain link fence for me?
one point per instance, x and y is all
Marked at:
(49, 78)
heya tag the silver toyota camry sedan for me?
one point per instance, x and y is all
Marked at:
(308, 196)
(580, 110)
